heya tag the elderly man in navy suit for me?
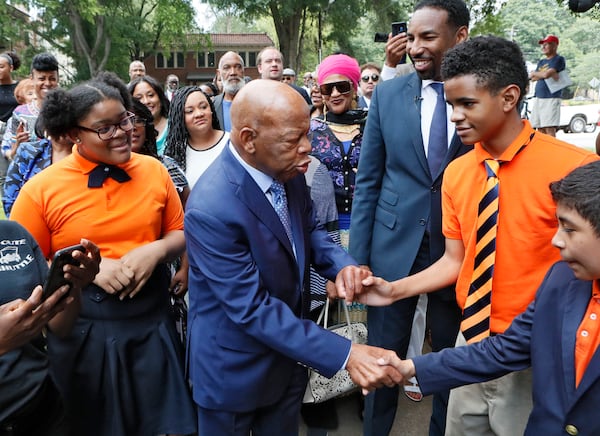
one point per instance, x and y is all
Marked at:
(251, 235)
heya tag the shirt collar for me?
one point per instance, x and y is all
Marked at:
(87, 166)
(263, 180)
(518, 143)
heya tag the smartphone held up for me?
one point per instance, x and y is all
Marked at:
(56, 275)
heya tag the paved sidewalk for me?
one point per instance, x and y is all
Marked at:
(412, 419)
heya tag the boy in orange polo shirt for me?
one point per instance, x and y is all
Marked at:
(559, 333)
(485, 79)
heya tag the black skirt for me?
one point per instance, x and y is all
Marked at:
(121, 369)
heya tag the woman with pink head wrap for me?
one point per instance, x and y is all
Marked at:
(336, 138)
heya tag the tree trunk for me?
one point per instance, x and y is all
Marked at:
(288, 32)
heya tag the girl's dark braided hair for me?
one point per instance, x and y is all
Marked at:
(178, 137)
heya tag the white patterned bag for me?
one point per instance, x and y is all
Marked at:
(321, 388)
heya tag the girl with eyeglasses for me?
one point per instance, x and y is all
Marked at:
(121, 368)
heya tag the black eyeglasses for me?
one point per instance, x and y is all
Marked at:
(106, 133)
(343, 87)
(373, 77)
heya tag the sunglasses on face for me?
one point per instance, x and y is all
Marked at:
(343, 87)
(373, 77)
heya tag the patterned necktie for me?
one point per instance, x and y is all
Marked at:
(476, 315)
(281, 207)
(99, 174)
(438, 132)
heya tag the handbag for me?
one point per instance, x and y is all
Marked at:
(321, 388)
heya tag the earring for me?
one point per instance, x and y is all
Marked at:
(78, 140)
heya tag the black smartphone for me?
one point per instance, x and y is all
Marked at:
(399, 27)
(56, 275)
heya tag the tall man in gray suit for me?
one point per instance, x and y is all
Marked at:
(396, 218)
(231, 70)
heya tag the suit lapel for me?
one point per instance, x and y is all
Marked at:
(583, 293)
(296, 211)
(255, 200)
(412, 95)
(577, 299)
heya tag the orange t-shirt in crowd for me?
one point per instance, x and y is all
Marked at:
(588, 335)
(526, 216)
(59, 209)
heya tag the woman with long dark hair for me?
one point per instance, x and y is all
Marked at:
(196, 138)
(150, 92)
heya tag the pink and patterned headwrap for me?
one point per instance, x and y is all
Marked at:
(339, 64)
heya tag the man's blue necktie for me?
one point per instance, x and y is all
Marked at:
(438, 133)
(281, 207)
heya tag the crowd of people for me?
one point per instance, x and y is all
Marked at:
(415, 189)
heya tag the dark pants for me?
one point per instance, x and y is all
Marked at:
(281, 418)
(43, 416)
(390, 327)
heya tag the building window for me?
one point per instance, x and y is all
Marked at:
(174, 60)
(252, 58)
(205, 60)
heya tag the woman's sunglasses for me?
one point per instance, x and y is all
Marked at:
(343, 87)
(373, 77)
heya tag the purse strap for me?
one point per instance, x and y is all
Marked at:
(324, 317)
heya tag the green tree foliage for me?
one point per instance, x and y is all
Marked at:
(107, 34)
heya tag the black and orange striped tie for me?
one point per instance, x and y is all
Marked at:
(476, 315)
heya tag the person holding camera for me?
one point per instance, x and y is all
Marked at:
(396, 216)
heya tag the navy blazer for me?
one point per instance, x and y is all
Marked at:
(542, 337)
(396, 196)
(248, 294)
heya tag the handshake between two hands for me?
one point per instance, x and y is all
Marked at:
(370, 367)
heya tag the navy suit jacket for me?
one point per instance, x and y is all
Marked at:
(542, 337)
(396, 196)
(248, 294)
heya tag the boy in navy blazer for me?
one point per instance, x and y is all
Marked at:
(557, 336)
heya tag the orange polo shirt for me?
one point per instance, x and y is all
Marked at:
(588, 334)
(526, 217)
(58, 208)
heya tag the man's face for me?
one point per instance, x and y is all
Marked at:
(578, 243)
(369, 78)
(231, 71)
(44, 82)
(308, 79)
(288, 79)
(271, 65)
(173, 83)
(281, 143)
(477, 114)
(137, 69)
(429, 37)
(549, 48)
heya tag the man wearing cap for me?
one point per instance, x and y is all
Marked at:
(545, 112)
(270, 67)
(289, 76)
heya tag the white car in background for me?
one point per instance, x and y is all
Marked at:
(579, 118)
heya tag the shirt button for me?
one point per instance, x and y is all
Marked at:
(422, 222)
(584, 333)
(593, 316)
